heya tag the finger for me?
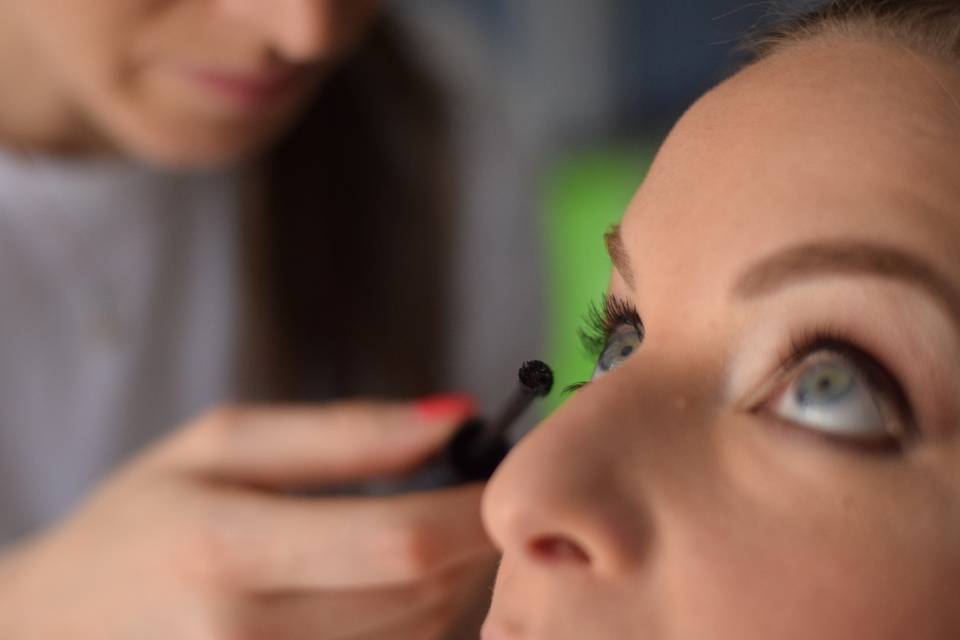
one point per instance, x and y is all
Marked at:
(351, 613)
(280, 543)
(425, 624)
(432, 625)
(310, 446)
(473, 600)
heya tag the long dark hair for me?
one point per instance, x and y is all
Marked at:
(350, 250)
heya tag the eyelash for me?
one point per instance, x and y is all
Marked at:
(603, 318)
(599, 322)
(810, 340)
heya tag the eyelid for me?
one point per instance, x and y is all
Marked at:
(887, 390)
(876, 373)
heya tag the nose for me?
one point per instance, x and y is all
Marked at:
(303, 30)
(611, 479)
(560, 500)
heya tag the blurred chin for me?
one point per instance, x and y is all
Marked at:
(178, 134)
(164, 117)
(193, 145)
(205, 149)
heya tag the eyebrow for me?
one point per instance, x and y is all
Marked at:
(618, 254)
(807, 261)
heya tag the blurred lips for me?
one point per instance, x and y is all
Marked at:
(248, 91)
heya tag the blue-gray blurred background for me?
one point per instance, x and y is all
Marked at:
(591, 87)
(604, 68)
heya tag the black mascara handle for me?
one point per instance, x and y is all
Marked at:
(473, 456)
(474, 452)
(462, 461)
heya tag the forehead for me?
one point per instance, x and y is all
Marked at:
(830, 139)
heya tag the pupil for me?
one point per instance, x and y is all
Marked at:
(626, 351)
(824, 386)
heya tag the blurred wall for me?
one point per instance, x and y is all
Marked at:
(600, 69)
(592, 85)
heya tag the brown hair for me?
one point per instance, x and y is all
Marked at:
(351, 250)
(930, 27)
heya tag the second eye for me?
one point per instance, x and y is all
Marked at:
(621, 344)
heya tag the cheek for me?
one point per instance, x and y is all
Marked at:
(798, 586)
(82, 37)
(791, 541)
(83, 49)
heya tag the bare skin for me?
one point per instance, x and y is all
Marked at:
(201, 538)
(686, 493)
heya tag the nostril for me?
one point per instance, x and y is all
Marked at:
(558, 549)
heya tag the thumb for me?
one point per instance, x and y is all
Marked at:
(339, 442)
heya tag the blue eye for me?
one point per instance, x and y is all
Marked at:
(613, 331)
(831, 393)
(621, 344)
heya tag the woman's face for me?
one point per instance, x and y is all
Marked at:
(780, 456)
(178, 82)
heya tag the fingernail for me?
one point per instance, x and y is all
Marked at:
(448, 407)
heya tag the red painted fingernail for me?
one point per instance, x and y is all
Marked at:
(447, 407)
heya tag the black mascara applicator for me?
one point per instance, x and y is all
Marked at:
(479, 445)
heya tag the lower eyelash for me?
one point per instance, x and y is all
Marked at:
(573, 388)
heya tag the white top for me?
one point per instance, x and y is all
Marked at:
(120, 298)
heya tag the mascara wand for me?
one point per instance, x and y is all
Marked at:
(481, 445)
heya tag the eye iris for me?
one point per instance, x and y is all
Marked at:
(621, 345)
(835, 389)
(825, 384)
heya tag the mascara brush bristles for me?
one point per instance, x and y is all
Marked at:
(536, 380)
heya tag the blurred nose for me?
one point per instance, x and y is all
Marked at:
(556, 501)
(302, 30)
(585, 491)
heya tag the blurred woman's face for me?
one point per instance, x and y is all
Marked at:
(178, 82)
(774, 451)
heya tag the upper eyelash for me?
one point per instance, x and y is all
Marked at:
(601, 319)
(599, 322)
(810, 341)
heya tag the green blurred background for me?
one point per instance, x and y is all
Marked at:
(584, 195)
(591, 89)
